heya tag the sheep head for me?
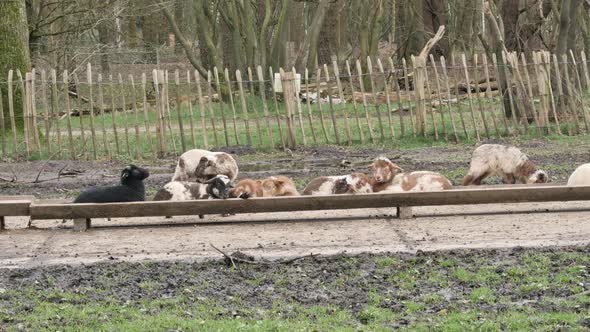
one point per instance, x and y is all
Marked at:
(384, 170)
(133, 173)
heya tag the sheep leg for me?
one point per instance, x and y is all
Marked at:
(82, 224)
(477, 180)
(510, 178)
(404, 212)
(2, 224)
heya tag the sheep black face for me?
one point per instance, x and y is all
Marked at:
(133, 173)
(219, 186)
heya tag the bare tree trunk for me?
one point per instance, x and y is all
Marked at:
(308, 50)
(14, 50)
(103, 39)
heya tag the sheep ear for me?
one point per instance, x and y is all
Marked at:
(395, 167)
(125, 173)
(203, 159)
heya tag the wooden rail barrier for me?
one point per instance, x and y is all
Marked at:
(11, 206)
(82, 213)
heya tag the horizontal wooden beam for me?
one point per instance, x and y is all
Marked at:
(15, 208)
(309, 203)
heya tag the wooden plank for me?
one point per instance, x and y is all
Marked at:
(343, 106)
(255, 108)
(3, 138)
(543, 94)
(309, 111)
(146, 119)
(261, 88)
(490, 97)
(124, 113)
(331, 103)
(375, 99)
(439, 95)
(359, 72)
(546, 61)
(114, 111)
(33, 109)
(354, 106)
(443, 65)
(168, 113)
(191, 110)
(311, 203)
(457, 72)
(429, 101)
(470, 96)
(160, 140)
(522, 93)
(202, 110)
(277, 109)
(46, 117)
(25, 112)
(497, 73)
(179, 111)
(105, 140)
(222, 105)
(585, 68)
(55, 111)
(289, 99)
(400, 104)
(511, 97)
(561, 95)
(407, 84)
(66, 81)
(318, 78)
(244, 107)
(419, 95)
(11, 114)
(15, 207)
(210, 106)
(135, 117)
(298, 104)
(579, 93)
(91, 109)
(530, 91)
(478, 94)
(80, 117)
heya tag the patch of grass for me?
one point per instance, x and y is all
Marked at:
(482, 295)
(484, 291)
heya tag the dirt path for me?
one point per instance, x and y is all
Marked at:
(278, 235)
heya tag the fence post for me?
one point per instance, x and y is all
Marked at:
(159, 141)
(11, 113)
(289, 97)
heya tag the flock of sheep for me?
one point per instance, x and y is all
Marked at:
(202, 174)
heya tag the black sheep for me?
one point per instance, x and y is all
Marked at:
(131, 188)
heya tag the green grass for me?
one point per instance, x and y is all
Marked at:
(479, 291)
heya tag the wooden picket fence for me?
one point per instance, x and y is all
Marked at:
(89, 116)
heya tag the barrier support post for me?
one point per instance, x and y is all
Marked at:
(82, 224)
(404, 212)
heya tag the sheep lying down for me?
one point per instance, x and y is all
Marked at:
(131, 188)
(217, 187)
(580, 177)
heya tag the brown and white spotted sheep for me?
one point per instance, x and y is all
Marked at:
(356, 183)
(505, 161)
(201, 165)
(217, 187)
(386, 178)
(276, 186)
(247, 188)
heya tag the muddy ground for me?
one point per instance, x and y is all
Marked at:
(386, 291)
(65, 179)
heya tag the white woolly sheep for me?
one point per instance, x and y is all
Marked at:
(201, 165)
(580, 177)
(506, 161)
